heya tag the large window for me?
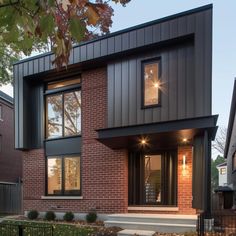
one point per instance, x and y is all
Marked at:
(63, 110)
(63, 175)
(151, 83)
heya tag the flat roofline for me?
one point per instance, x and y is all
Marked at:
(161, 20)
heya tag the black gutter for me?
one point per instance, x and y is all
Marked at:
(161, 20)
(231, 121)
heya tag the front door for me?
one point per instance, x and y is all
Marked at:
(153, 178)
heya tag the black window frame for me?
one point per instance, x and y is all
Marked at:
(60, 91)
(63, 175)
(144, 63)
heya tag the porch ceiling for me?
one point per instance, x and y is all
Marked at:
(161, 135)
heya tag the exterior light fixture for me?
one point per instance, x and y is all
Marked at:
(156, 85)
(143, 142)
(184, 162)
(185, 140)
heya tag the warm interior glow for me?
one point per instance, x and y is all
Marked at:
(184, 162)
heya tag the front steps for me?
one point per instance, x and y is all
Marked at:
(163, 223)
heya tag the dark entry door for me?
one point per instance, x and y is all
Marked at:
(153, 178)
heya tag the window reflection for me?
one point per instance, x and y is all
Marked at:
(151, 84)
(72, 175)
(54, 176)
(72, 113)
(54, 112)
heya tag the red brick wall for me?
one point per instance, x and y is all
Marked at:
(10, 159)
(185, 181)
(104, 171)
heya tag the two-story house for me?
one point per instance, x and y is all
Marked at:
(10, 159)
(127, 127)
(230, 148)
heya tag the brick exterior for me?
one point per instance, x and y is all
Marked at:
(104, 171)
(185, 181)
(10, 159)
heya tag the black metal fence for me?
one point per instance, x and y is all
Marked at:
(219, 224)
(25, 230)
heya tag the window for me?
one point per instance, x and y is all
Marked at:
(63, 175)
(222, 171)
(63, 111)
(1, 117)
(234, 162)
(151, 83)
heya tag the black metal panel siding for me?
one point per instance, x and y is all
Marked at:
(64, 146)
(196, 21)
(124, 89)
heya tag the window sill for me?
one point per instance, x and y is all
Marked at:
(62, 197)
(144, 208)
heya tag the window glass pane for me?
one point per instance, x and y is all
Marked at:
(223, 171)
(152, 177)
(54, 116)
(72, 175)
(151, 84)
(72, 113)
(63, 83)
(54, 176)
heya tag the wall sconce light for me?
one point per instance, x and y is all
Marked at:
(184, 162)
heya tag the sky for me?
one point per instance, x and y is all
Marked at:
(224, 40)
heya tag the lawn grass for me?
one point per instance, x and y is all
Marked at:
(34, 228)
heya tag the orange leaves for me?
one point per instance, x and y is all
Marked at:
(92, 14)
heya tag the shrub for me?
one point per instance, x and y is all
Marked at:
(91, 217)
(33, 214)
(50, 215)
(69, 216)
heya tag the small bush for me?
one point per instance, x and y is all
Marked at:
(91, 217)
(69, 216)
(33, 214)
(50, 215)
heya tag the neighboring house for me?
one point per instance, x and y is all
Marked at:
(230, 147)
(10, 159)
(127, 127)
(222, 169)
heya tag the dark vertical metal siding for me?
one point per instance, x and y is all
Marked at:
(124, 89)
(199, 23)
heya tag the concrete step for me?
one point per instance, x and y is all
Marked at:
(130, 232)
(164, 223)
(155, 218)
(156, 227)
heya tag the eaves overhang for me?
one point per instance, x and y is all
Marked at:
(161, 135)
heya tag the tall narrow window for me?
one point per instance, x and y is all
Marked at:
(234, 162)
(63, 175)
(63, 109)
(151, 83)
(1, 117)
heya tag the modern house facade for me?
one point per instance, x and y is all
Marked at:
(127, 128)
(230, 147)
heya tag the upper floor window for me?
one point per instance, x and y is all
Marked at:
(151, 83)
(223, 171)
(63, 109)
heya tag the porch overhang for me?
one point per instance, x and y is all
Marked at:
(159, 135)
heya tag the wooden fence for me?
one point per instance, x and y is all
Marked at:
(10, 198)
